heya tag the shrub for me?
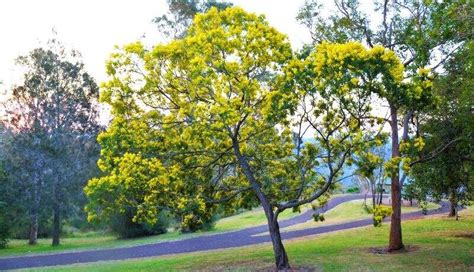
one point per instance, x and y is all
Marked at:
(4, 233)
(4, 226)
(353, 190)
(124, 227)
(424, 207)
(380, 212)
(318, 217)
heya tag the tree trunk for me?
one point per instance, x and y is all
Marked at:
(395, 241)
(380, 196)
(56, 213)
(281, 258)
(372, 189)
(56, 225)
(33, 236)
(452, 201)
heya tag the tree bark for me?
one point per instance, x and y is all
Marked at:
(56, 226)
(56, 214)
(33, 235)
(395, 241)
(281, 258)
(452, 201)
(33, 238)
(372, 189)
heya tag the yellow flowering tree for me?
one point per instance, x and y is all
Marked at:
(373, 76)
(201, 120)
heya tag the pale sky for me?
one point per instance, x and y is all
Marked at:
(93, 27)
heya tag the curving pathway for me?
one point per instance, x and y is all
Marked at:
(243, 237)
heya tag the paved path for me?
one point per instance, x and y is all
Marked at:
(237, 238)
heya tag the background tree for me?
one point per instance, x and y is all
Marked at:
(370, 169)
(450, 173)
(52, 122)
(421, 33)
(175, 23)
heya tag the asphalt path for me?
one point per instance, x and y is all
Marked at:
(239, 238)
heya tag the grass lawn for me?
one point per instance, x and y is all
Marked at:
(346, 212)
(439, 244)
(250, 218)
(96, 240)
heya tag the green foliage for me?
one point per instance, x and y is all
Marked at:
(125, 227)
(424, 207)
(48, 144)
(175, 23)
(178, 137)
(449, 128)
(318, 217)
(353, 190)
(5, 223)
(380, 212)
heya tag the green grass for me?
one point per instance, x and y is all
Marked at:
(254, 217)
(437, 248)
(91, 241)
(96, 240)
(250, 218)
(346, 212)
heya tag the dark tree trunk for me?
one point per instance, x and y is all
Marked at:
(395, 241)
(372, 188)
(281, 258)
(452, 201)
(380, 196)
(56, 213)
(33, 235)
(56, 228)
(56, 225)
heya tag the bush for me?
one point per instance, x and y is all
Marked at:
(353, 190)
(380, 212)
(318, 217)
(424, 207)
(4, 226)
(4, 233)
(124, 227)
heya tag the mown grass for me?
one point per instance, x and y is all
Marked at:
(250, 218)
(439, 243)
(346, 212)
(95, 240)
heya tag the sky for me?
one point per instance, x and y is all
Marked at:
(93, 27)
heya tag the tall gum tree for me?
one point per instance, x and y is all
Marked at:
(52, 123)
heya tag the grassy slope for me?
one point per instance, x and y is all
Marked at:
(100, 240)
(345, 212)
(251, 218)
(438, 249)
